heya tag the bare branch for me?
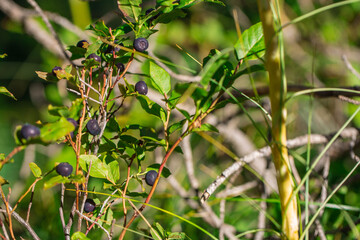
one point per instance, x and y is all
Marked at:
(24, 223)
(37, 8)
(266, 151)
(92, 221)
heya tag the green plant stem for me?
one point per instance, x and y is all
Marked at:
(277, 91)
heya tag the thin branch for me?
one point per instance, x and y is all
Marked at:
(4, 229)
(23, 222)
(61, 208)
(265, 152)
(49, 26)
(79, 94)
(92, 221)
(350, 67)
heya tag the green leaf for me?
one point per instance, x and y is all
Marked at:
(177, 235)
(165, 172)
(76, 52)
(98, 168)
(55, 180)
(35, 169)
(79, 236)
(76, 109)
(93, 48)
(122, 30)
(176, 126)
(251, 45)
(6, 92)
(152, 107)
(156, 235)
(114, 171)
(52, 132)
(217, 59)
(100, 29)
(130, 8)
(160, 78)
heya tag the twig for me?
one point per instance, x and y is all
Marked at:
(23, 222)
(70, 222)
(49, 26)
(4, 229)
(350, 67)
(189, 165)
(61, 208)
(264, 152)
(8, 211)
(30, 203)
(79, 94)
(102, 211)
(92, 221)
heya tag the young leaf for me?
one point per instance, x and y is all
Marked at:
(55, 180)
(160, 78)
(6, 92)
(98, 168)
(130, 8)
(79, 236)
(114, 171)
(152, 107)
(35, 169)
(251, 45)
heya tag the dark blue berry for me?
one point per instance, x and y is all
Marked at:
(141, 44)
(93, 127)
(29, 131)
(120, 66)
(110, 48)
(75, 125)
(150, 177)
(83, 44)
(64, 169)
(141, 87)
(73, 122)
(149, 11)
(55, 69)
(89, 205)
(95, 57)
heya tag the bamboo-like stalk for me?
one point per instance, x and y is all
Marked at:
(277, 93)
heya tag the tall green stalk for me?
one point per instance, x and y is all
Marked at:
(274, 62)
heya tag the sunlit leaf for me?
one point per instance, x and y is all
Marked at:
(52, 132)
(160, 78)
(251, 45)
(6, 92)
(79, 236)
(35, 169)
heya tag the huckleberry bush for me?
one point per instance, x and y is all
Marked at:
(99, 76)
